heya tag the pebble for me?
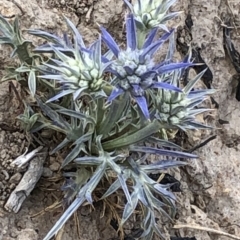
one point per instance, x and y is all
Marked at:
(15, 178)
(47, 172)
(3, 154)
(12, 186)
(1, 204)
(27, 234)
(54, 167)
(52, 160)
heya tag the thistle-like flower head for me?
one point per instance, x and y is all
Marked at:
(134, 68)
(178, 110)
(152, 13)
(81, 71)
(74, 66)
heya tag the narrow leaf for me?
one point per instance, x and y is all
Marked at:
(192, 83)
(161, 151)
(67, 214)
(32, 82)
(138, 136)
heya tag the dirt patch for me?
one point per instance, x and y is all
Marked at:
(211, 186)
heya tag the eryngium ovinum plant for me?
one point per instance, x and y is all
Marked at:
(111, 108)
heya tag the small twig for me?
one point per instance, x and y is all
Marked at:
(222, 23)
(11, 16)
(12, 87)
(25, 158)
(77, 224)
(19, 7)
(60, 233)
(27, 183)
(197, 227)
(202, 143)
(88, 15)
(234, 25)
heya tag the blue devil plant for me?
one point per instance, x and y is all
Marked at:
(111, 109)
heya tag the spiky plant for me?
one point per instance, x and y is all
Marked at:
(177, 110)
(134, 68)
(109, 106)
(152, 13)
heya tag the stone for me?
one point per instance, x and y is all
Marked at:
(54, 167)
(27, 234)
(15, 178)
(47, 172)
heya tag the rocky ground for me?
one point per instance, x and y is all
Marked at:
(211, 184)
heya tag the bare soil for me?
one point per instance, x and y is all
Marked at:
(210, 194)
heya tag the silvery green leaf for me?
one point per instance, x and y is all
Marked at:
(129, 5)
(167, 4)
(108, 55)
(177, 110)
(134, 165)
(61, 55)
(60, 146)
(195, 102)
(201, 93)
(162, 165)
(161, 151)
(66, 215)
(75, 114)
(116, 110)
(196, 125)
(53, 115)
(147, 219)
(142, 195)
(52, 77)
(5, 27)
(32, 82)
(133, 138)
(158, 205)
(84, 138)
(50, 66)
(16, 29)
(88, 160)
(6, 40)
(160, 189)
(157, 231)
(60, 95)
(115, 167)
(113, 188)
(78, 93)
(97, 53)
(163, 27)
(129, 208)
(73, 154)
(94, 180)
(163, 143)
(124, 186)
(199, 111)
(171, 48)
(170, 16)
(192, 83)
(36, 127)
(23, 53)
(149, 236)
(23, 69)
(76, 32)
(48, 36)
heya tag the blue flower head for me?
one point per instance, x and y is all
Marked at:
(134, 68)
